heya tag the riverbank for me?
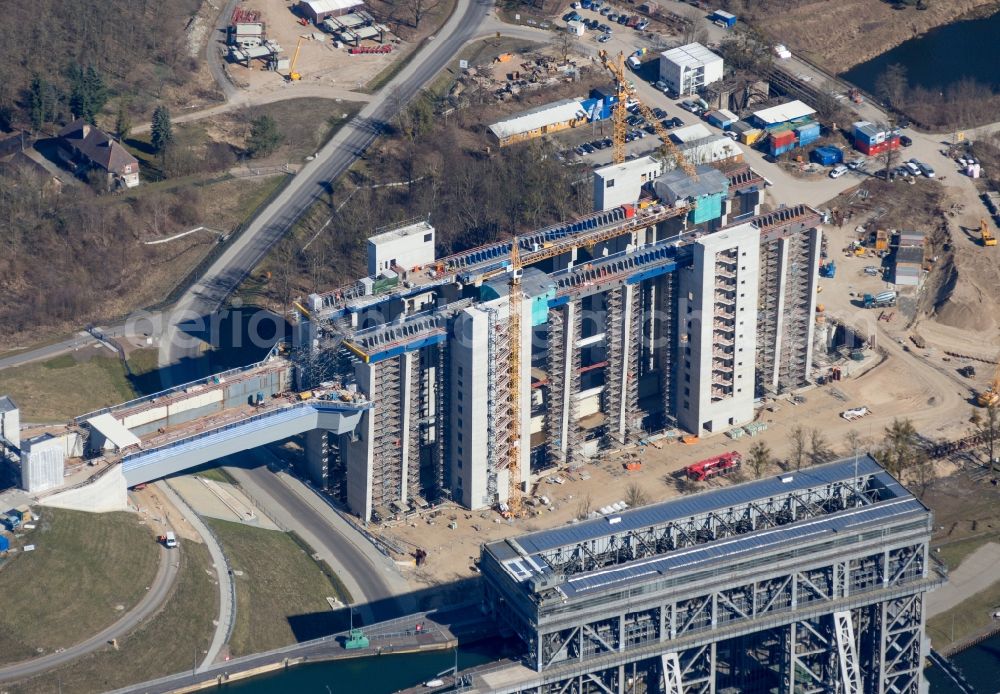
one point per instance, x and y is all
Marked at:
(864, 28)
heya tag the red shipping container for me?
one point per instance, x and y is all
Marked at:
(783, 138)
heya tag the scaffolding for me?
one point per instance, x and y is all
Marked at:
(768, 308)
(497, 391)
(556, 367)
(796, 319)
(724, 324)
(614, 340)
(574, 433)
(634, 361)
(387, 432)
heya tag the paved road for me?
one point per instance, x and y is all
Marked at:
(213, 51)
(227, 597)
(368, 578)
(150, 603)
(310, 185)
(75, 342)
(976, 573)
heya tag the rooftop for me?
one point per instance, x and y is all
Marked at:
(321, 6)
(692, 55)
(7, 404)
(94, 144)
(415, 229)
(675, 185)
(784, 112)
(533, 119)
(910, 254)
(530, 556)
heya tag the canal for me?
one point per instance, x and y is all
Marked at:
(940, 58)
(377, 675)
(980, 665)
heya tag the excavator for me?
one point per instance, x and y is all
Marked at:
(984, 231)
(625, 91)
(991, 396)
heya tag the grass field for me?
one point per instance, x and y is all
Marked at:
(170, 642)
(67, 386)
(280, 586)
(85, 567)
(971, 616)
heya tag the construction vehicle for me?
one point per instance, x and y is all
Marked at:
(717, 466)
(828, 270)
(984, 231)
(991, 396)
(625, 91)
(293, 75)
(882, 300)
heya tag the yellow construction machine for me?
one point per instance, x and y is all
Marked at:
(991, 396)
(292, 74)
(984, 231)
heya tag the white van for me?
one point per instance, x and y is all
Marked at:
(170, 540)
(838, 171)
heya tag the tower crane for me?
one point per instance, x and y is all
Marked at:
(624, 90)
(514, 383)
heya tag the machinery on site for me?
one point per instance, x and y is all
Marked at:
(293, 75)
(625, 91)
(991, 396)
(881, 300)
(987, 236)
(717, 466)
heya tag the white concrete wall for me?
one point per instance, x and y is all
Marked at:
(469, 409)
(10, 426)
(104, 494)
(359, 458)
(407, 247)
(620, 184)
(696, 410)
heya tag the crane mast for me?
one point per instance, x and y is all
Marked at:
(616, 66)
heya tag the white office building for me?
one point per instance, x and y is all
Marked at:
(687, 69)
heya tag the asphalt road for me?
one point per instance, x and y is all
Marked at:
(366, 573)
(310, 185)
(75, 342)
(150, 603)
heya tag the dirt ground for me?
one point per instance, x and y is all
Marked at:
(319, 62)
(864, 28)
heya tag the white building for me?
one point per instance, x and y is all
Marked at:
(42, 463)
(405, 248)
(718, 331)
(10, 422)
(620, 184)
(687, 69)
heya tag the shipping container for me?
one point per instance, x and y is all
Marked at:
(808, 130)
(783, 138)
(750, 137)
(779, 150)
(724, 19)
(827, 156)
(4, 544)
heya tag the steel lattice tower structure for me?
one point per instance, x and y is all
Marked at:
(809, 582)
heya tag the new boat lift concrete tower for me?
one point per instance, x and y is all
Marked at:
(809, 582)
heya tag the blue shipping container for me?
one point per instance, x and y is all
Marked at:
(827, 156)
(809, 129)
(775, 151)
(4, 544)
(807, 139)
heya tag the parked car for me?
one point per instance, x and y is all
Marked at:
(651, 129)
(913, 166)
(838, 171)
(604, 11)
(597, 144)
(731, 135)
(596, 5)
(612, 16)
(926, 170)
(605, 28)
(629, 136)
(660, 85)
(604, 38)
(905, 141)
(607, 142)
(587, 149)
(689, 105)
(623, 19)
(677, 122)
(667, 123)
(659, 113)
(855, 164)
(872, 270)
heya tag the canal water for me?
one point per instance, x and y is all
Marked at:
(980, 665)
(939, 58)
(375, 675)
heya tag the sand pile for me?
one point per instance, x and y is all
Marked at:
(968, 295)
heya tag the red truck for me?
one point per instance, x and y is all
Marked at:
(719, 466)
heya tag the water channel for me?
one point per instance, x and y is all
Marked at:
(939, 58)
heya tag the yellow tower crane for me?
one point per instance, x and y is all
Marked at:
(624, 90)
(514, 383)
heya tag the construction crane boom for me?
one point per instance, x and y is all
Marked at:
(292, 74)
(624, 91)
(514, 385)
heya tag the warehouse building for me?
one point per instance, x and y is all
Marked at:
(316, 11)
(543, 120)
(688, 68)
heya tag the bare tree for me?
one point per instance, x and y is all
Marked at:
(760, 459)
(584, 507)
(893, 86)
(988, 426)
(565, 43)
(923, 471)
(853, 440)
(797, 446)
(819, 449)
(899, 449)
(635, 496)
(419, 9)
